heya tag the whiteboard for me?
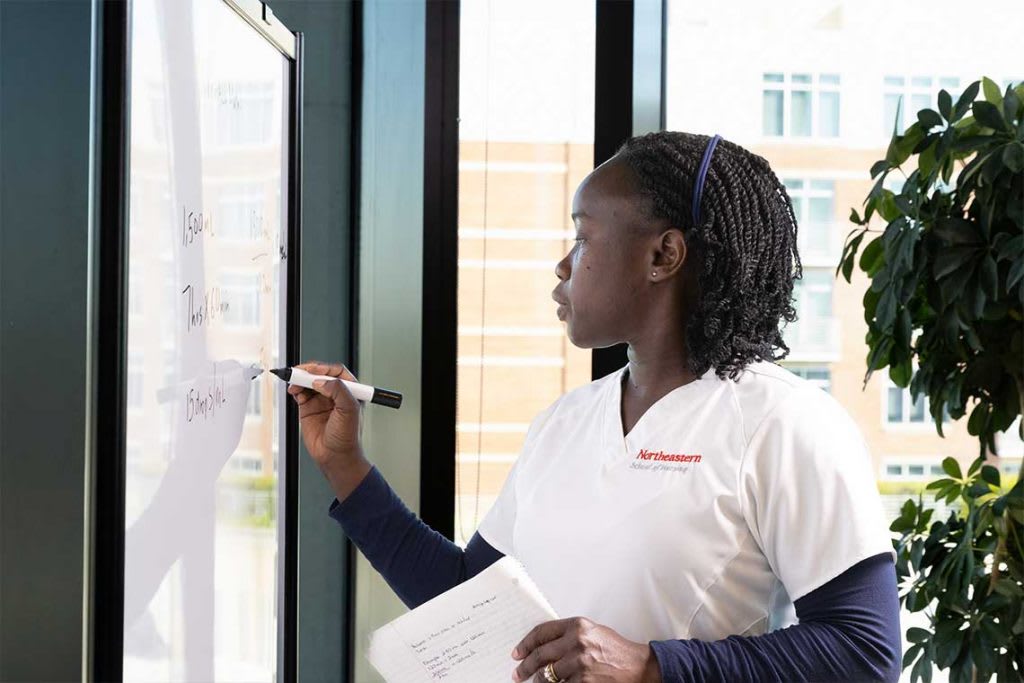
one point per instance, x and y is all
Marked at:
(207, 300)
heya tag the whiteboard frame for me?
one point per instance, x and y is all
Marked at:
(103, 597)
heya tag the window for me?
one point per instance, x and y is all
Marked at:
(800, 105)
(242, 113)
(819, 376)
(254, 406)
(240, 291)
(246, 462)
(912, 468)
(240, 213)
(901, 409)
(916, 93)
(814, 207)
(525, 142)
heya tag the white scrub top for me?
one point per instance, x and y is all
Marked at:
(727, 501)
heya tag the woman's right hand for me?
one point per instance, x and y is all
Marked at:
(329, 417)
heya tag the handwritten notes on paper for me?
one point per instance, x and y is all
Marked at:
(464, 635)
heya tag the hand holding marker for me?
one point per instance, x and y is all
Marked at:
(361, 392)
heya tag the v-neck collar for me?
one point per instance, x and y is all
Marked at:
(617, 443)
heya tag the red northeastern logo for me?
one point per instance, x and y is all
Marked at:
(645, 454)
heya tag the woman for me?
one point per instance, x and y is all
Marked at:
(686, 511)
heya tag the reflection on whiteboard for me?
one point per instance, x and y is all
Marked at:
(206, 294)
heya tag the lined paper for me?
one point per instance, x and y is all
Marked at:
(464, 635)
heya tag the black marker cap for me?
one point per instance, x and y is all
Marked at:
(283, 373)
(386, 397)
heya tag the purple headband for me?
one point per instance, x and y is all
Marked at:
(698, 188)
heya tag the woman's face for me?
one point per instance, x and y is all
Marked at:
(603, 277)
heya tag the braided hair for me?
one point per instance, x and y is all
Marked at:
(745, 244)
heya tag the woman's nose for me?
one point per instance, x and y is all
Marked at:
(562, 271)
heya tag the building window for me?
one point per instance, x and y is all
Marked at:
(917, 93)
(902, 409)
(241, 293)
(240, 213)
(246, 462)
(814, 207)
(800, 105)
(813, 295)
(818, 375)
(912, 468)
(254, 406)
(242, 113)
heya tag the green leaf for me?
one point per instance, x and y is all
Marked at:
(945, 105)
(989, 276)
(956, 230)
(963, 103)
(879, 167)
(949, 260)
(847, 264)
(991, 90)
(1009, 246)
(918, 635)
(1011, 102)
(989, 115)
(887, 207)
(951, 467)
(929, 119)
(977, 420)
(910, 655)
(1013, 156)
(870, 255)
(1015, 274)
(900, 372)
(885, 314)
(990, 474)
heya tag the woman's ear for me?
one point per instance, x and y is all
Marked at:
(669, 254)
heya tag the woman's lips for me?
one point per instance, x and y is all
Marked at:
(562, 309)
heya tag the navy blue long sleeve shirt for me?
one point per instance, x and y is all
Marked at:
(849, 628)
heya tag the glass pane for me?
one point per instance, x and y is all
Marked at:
(526, 133)
(723, 50)
(917, 410)
(894, 469)
(773, 78)
(889, 115)
(917, 103)
(821, 210)
(915, 470)
(935, 469)
(800, 113)
(829, 79)
(828, 114)
(209, 143)
(895, 401)
(772, 118)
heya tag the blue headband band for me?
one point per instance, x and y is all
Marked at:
(698, 188)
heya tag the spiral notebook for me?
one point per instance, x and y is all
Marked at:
(465, 634)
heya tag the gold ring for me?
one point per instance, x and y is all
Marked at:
(550, 675)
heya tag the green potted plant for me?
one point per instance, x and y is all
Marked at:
(947, 289)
